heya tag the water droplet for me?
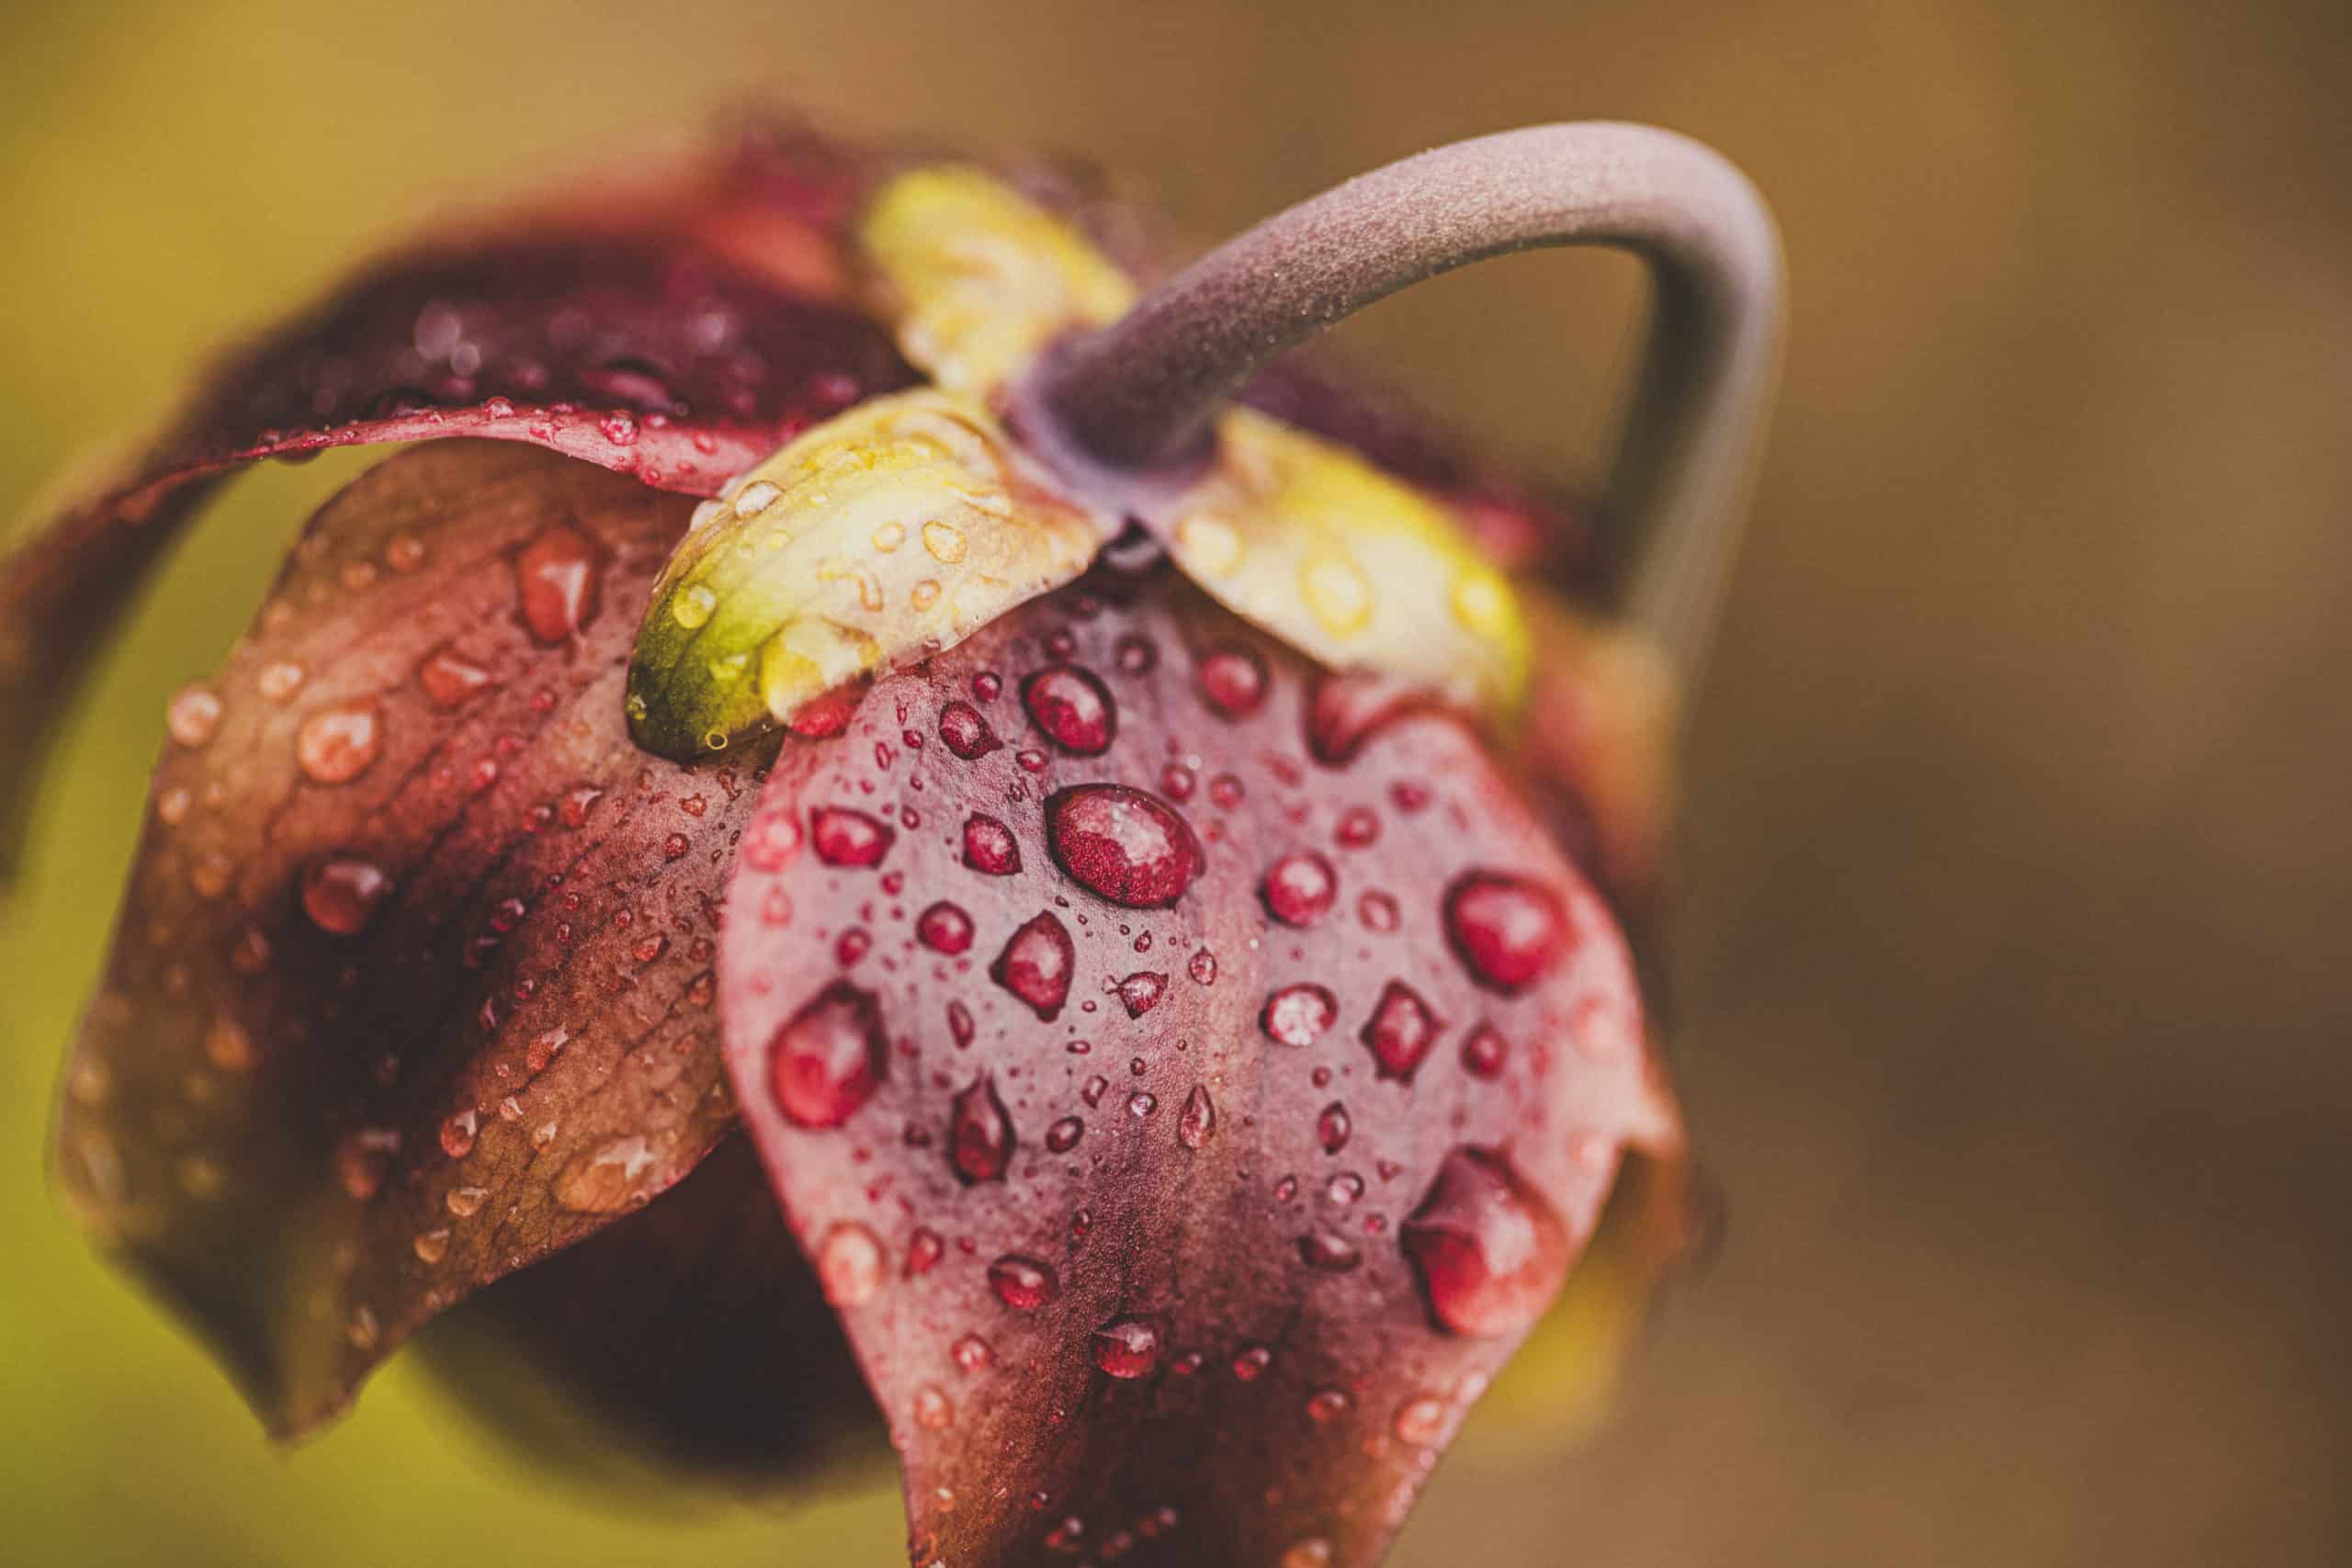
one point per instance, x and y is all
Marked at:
(1420, 1422)
(1094, 1089)
(1251, 1363)
(933, 1411)
(1378, 911)
(1344, 1189)
(1035, 965)
(1491, 1252)
(1299, 888)
(1063, 1135)
(989, 847)
(1327, 1405)
(924, 1249)
(1126, 1348)
(1359, 827)
(1202, 967)
(1022, 1283)
(1140, 992)
(1233, 680)
(1298, 1015)
(558, 580)
(193, 715)
(336, 744)
(1312, 1552)
(972, 1353)
(459, 1131)
(944, 927)
(979, 1134)
(1333, 1128)
(849, 839)
(279, 680)
(967, 731)
(1178, 782)
(1507, 929)
(1327, 1253)
(1071, 705)
(959, 1024)
(1198, 1123)
(465, 1202)
(1142, 1104)
(608, 1178)
(693, 606)
(1486, 1053)
(1401, 1030)
(828, 1058)
(1123, 844)
(451, 682)
(342, 893)
(229, 1047)
(849, 1264)
(432, 1245)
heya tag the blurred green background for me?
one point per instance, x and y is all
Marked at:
(2010, 946)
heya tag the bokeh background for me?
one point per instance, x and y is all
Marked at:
(2015, 1007)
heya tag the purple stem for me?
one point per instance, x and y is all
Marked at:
(1134, 401)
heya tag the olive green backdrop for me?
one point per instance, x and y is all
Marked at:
(2011, 951)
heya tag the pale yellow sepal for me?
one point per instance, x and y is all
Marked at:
(881, 537)
(978, 279)
(1310, 541)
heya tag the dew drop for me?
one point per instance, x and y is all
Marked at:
(279, 679)
(193, 715)
(1252, 1361)
(1490, 1251)
(1329, 1254)
(849, 839)
(451, 682)
(967, 731)
(607, 1179)
(1420, 1421)
(944, 927)
(342, 893)
(336, 744)
(972, 1353)
(1484, 1052)
(1327, 1405)
(1063, 1135)
(1299, 1014)
(1359, 827)
(1333, 1128)
(1401, 1030)
(1123, 844)
(1126, 1348)
(979, 1134)
(1233, 680)
(558, 579)
(1035, 965)
(827, 1059)
(1299, 888)
(960, 1027)
(1198, 1122)
(933, 1411)
(1140, 992)
(924, 1249)
(989, 847)
(1202, 967)
(849, 1264)
(1312, 1552)
(1507, 929)
(1071, 705)
(1022, 1283)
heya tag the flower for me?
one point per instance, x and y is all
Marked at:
(1123, 908)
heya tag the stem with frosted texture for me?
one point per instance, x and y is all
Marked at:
(1137, 396)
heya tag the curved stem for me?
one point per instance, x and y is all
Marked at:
(1136, 397)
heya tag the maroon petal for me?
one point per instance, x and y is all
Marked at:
(1226, 1295)
(692, 1330)
(678, 334)
(413, 983)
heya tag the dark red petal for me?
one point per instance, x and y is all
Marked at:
(414, 980)
(1178, 1308)
(732, 1368)
(678, 332)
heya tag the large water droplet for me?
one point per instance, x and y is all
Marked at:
(1071, 706)
(828, 1058)
(1299, 888)
(1126, 1348)
(1401, 1032)
(979, 1134)
(1125, 845)
(849, 1264)
(989, 847)
(1140, 992)
(849, 839)
(1491, 1252)
(558, 579)
(1507, 930)
(1298, 1015)
(605, 1180)
(1035, 965)
(336, 744)
(342, 893)
(1022, 1283)
(1198, 1122)
(966, 732)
